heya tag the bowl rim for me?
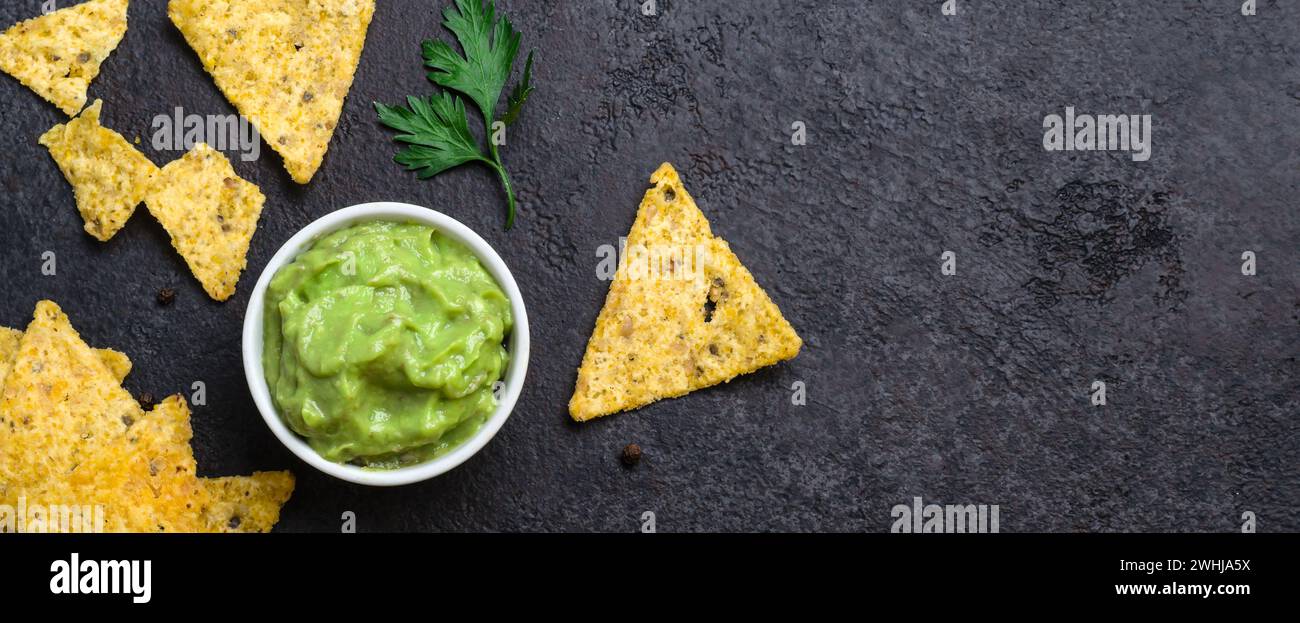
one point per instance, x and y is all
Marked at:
(401, 212)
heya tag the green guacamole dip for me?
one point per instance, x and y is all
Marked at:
(382, 342)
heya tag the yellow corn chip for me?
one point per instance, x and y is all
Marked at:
(57, 55)
(118, 363)
(210, 214)
(163, 492)
(164, 439)
(682, 313)
(246, 503)
(145, 481)
(74, 473)
(60, 403)
(109, 176)
(286, 65)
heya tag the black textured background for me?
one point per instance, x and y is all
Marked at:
(924, 135)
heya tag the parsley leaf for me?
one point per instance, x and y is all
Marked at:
(436, 129)
(490, 47)
(437, 132)
(520, 94)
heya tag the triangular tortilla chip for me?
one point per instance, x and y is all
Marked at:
(682, 313)
(81, 467)
(286, 65)
(57, 55)
(109, 175)
(162, 493)
(210, 214)
(144, 482)
(60, 403)
(118, 363)
(246, 503)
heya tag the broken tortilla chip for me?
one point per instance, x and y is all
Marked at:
(145, 481)
(246, 503)
(57, 55)
(60, 403)
(286, 65)
(210, 214)
(162, 493)
(682, 312)
(83, 468)
(109, 176)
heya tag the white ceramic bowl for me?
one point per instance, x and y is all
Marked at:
(401, 212)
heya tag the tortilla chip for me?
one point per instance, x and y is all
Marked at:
(286, 65)
(695, 319)
(163, 493)
(109, 176)
(118, 363)
(210, 214)
(146, 481)
(137, 475)
(57, 55)
(246, 503)
(60, 403)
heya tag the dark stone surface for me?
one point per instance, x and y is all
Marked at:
(924, 136)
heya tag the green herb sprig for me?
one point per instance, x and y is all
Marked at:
(436, 128)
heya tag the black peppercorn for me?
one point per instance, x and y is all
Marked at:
(631, 454)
